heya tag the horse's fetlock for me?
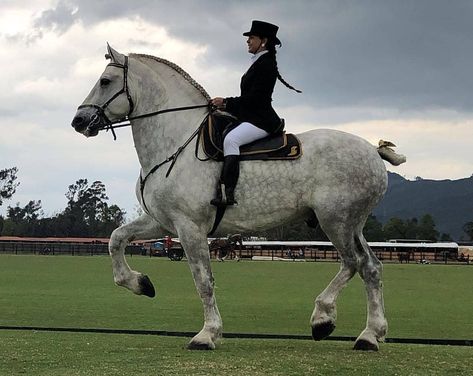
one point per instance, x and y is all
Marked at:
(324, 306)
(120, 282)
(122, 278)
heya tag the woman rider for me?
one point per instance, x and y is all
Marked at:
(253, 107)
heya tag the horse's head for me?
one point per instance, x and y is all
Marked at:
(109, 100)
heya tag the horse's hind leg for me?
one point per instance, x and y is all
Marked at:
(370, 270)
(324, 316)
(143, 227)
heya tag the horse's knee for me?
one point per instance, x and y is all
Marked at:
(118, 239)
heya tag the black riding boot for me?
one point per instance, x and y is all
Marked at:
(229, 178)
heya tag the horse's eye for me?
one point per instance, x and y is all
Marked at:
(104, 81)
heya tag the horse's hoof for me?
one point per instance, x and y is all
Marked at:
(323, 330)
(147, 287)
(365, 345)
(200, 346)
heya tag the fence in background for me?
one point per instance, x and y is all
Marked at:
(57, 248)
(324, 252)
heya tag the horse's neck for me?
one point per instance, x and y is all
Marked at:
(158, 137)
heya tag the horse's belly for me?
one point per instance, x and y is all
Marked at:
(265, 202)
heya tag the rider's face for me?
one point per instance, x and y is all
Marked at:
(255, 44)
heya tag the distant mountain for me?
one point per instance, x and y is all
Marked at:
(450, 202)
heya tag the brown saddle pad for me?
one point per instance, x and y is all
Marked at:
(279, 146)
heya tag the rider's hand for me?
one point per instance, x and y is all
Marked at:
(218, 102)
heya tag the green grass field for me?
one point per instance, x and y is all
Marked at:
(422, 301)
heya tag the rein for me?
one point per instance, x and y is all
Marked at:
(126, 121)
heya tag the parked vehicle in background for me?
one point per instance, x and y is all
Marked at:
(167, 247)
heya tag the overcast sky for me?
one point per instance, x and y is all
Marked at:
(396, 70)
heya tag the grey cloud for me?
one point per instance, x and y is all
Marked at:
(407, 55)
(59, 19)
(404, 55)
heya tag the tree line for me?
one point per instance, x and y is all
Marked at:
(395, 228)
(88, 214)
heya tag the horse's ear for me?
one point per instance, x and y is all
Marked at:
(109, 54)
(114, 56)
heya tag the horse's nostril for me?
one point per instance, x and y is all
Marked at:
(77, 122)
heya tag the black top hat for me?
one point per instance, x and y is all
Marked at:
(264, 29)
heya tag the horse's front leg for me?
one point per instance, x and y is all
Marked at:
(194, 242)
(143, 227)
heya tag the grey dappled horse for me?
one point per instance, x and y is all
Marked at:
(339, 180)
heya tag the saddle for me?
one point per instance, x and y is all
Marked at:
(277, 146)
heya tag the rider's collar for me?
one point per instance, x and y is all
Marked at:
(256, 56)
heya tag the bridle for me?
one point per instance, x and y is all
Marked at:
(100, 120)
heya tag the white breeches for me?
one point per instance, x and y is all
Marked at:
(241, 135)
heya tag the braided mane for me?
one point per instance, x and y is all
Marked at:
(178, 69)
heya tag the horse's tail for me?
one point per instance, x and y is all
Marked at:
(386, 152)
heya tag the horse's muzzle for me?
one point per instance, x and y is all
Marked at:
(88, 122)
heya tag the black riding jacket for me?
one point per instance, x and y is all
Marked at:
(254, 103)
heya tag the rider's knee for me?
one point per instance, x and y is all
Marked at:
(231, 145)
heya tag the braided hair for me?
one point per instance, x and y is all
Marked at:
(271, 47)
